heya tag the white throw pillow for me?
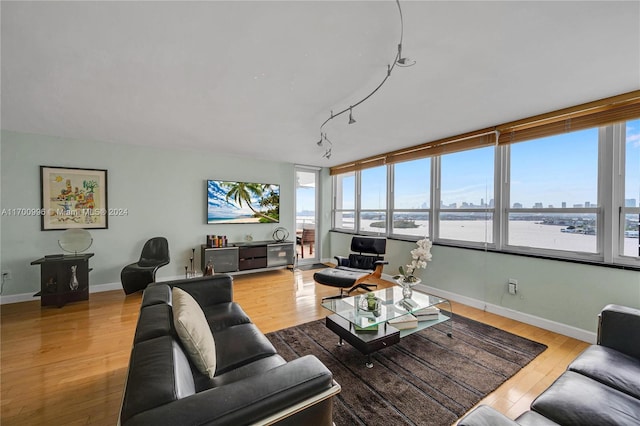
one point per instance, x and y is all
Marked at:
(194, 332)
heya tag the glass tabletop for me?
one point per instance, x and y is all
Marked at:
(390, 304)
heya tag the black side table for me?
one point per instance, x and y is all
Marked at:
(63, 279)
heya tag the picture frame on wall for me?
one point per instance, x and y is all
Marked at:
(73, 198)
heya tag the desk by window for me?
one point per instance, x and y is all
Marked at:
(63, 279)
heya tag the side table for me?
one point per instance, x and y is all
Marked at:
(63, 279)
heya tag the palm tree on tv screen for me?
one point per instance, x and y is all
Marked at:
(242, 192)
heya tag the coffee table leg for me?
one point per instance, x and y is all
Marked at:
(369, 363)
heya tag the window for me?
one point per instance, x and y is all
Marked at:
(466, 196)
(373, 200)
(553, 193)
(344, 191)
(411, 198)
(631, 206)
(561, 185)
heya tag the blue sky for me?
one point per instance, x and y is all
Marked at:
(561, 168)
(632, 182)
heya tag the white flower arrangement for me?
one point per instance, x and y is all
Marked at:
(420, 255)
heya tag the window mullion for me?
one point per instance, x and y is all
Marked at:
(434, 223)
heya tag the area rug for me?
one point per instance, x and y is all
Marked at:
(426, 379)
(311, 266)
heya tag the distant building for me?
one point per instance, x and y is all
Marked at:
(517, 205)
(630, 202)
(577, 206)
(564, 204)
(537, 206)
(587, 204)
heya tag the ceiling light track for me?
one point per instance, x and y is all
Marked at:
(399, 60)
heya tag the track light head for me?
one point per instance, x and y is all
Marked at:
(351, 120)
(319, 143)
(403, 62)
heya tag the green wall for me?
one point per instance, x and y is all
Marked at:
(561, 296)
(163, 191)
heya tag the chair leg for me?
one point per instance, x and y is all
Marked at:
(342, 295)
(362, 286)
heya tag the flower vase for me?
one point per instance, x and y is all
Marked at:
(407, 287)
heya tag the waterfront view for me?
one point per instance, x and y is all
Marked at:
(527, 233)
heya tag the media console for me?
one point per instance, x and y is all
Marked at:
(248, 256)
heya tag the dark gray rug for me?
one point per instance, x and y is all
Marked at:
(309, 267)
(426, 379)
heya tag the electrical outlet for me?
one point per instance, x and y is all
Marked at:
(513, 286)
(6, 275)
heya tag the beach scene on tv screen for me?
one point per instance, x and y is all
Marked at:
(242, 202)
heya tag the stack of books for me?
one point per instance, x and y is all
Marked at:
(427, 314)
(404, 322)
(369, 329)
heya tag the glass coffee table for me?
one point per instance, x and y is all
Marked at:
(368, 330)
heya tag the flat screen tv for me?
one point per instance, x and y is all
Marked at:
(242, 202)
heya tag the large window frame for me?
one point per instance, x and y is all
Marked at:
(561, 213)
(339, 210)
(405, 221)
(486, 211)
(620, 177)
(610, 210)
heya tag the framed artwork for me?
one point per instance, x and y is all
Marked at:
(73, 198)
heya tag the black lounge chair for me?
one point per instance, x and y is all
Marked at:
(353, 271)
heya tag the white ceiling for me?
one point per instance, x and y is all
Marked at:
(257, 78)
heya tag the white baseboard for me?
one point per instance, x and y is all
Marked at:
(556, 327)
(98, 288)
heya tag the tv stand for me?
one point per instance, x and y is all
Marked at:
(249, 256)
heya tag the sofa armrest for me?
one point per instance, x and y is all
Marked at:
(484, 415)
(246, 401)
(617, 328)
(208, 290)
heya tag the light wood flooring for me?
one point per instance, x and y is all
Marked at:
(67, 366)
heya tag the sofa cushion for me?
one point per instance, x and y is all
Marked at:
(159, 373)
(617, 326)
(224, 315)
(574, 399)
(531, 418)
(194, 332)
(154, 321)
(248, 370)
(240, 345)
(610, 367)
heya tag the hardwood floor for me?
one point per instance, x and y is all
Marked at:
(68, 365)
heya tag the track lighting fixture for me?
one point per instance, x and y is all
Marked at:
(324, 141)
(398, 60)
(403, 62)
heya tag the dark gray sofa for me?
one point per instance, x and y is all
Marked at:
(252, 383)
(600, 387)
